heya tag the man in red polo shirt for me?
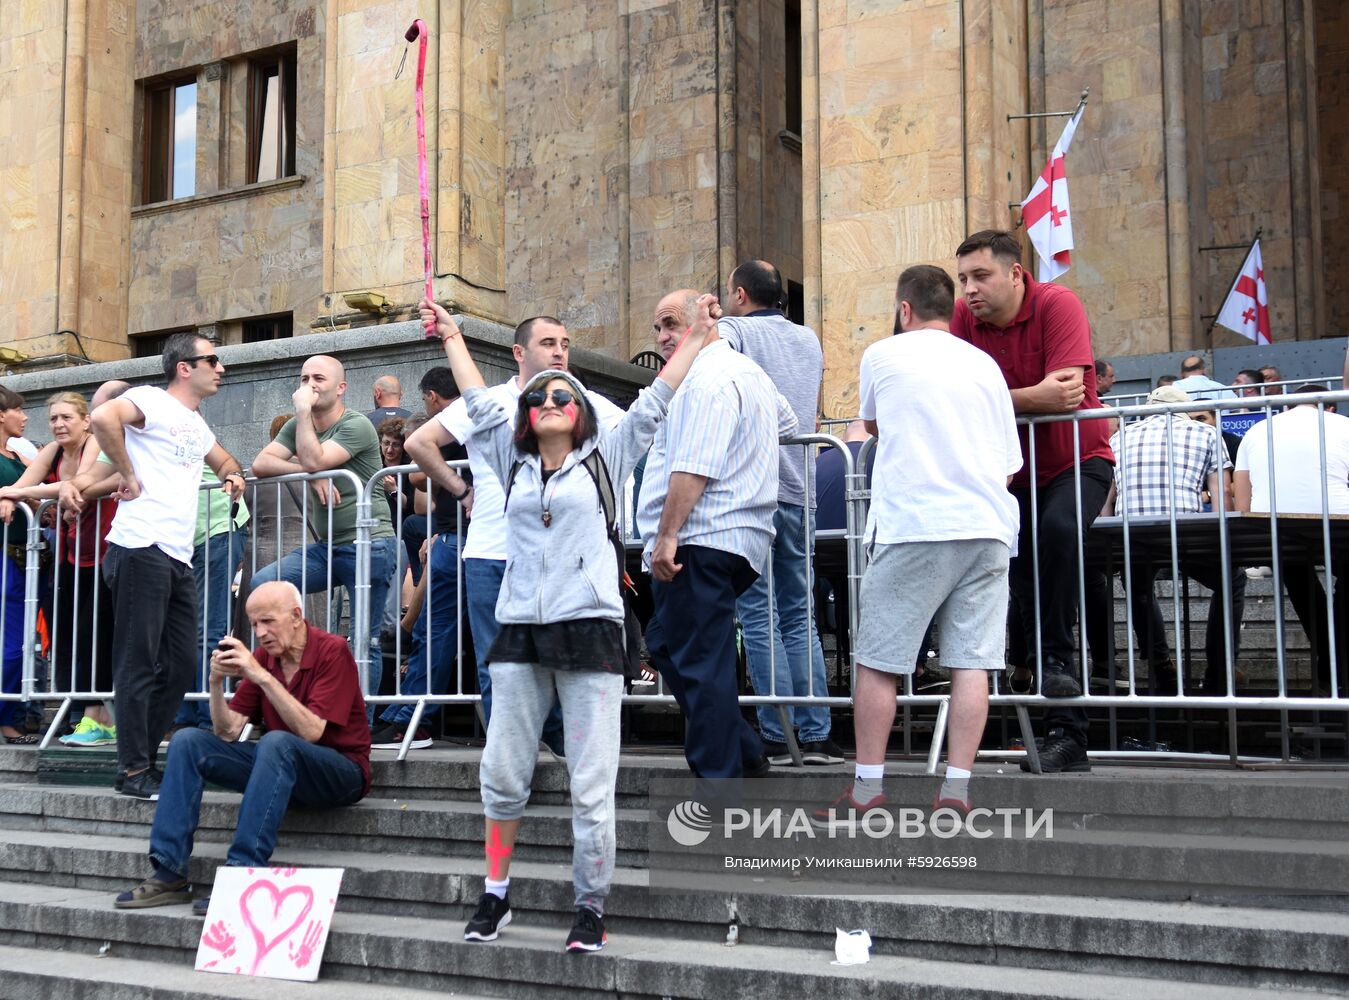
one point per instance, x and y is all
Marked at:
(1040, 338)
(302, 683)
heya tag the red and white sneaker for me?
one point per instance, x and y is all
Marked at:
(844, 810)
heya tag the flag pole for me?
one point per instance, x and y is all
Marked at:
(1233, 284)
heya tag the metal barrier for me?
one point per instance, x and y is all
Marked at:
(1236, 533)
(1243, 391)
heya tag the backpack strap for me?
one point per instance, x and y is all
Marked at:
(510, 482)
(599, 472)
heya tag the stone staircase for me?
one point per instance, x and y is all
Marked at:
(412, 854)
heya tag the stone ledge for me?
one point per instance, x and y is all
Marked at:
(215, 197)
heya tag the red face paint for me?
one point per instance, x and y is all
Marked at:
(569, 411)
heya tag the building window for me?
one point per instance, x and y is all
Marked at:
(268, 328)
(170, 169)
(271, 117)
(792, 65)
(151, 345)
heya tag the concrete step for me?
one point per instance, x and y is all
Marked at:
(30, 972)
(1130, 838)
(1242, 946)
(528, 960)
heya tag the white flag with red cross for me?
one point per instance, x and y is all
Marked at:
(1045, 210)
(1246, 310)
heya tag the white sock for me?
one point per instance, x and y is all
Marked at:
(498, 889)
(867, 781)
(956, 784)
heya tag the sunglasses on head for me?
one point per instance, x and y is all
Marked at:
(536, 397)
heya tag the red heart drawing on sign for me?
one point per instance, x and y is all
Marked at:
(263, 919)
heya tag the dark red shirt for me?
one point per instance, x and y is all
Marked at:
(1049, 333)
(327, 685)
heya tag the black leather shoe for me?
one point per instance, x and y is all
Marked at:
(1058, 681)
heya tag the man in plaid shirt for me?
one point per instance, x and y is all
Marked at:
(1165, 461)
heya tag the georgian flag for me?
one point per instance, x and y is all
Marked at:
(1246, 310)
(1045, 210)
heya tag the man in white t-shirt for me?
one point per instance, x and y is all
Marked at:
(157, 441)
(541, 343)
(941, 531)
(1299, 477)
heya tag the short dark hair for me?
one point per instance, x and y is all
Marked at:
(1167, 380)
(1101, 365)
(1253, 374)
(525, 330)
(178, 348)
(441, 382)
(761, 281)
(1002, 243)
(9, 399)
(1309, 387)
(928, 290)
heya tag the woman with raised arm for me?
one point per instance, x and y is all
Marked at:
(560, 609)
(81, 639)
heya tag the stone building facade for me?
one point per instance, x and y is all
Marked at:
(585, 157)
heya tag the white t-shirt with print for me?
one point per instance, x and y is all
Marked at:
(167, 456)
(487, 529)
(1297, 462)
(947, 443)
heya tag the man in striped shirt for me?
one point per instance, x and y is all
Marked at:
(706, 512)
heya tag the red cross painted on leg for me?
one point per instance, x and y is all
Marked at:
(498, 854)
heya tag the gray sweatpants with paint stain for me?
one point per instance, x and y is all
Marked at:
(522, 695)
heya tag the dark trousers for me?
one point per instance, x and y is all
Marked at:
(1307, 594)
(154, 646)
(1150, 631)
(271, 772)
(691, 637)
(1059, 539)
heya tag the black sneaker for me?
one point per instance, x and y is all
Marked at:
(760, 768)
(390, 737)
(492, 914)
(144, 785)
(555, 744)
(587, 931)
(776, 752)
(824, 751)
(1058, 681)
(1061, 752)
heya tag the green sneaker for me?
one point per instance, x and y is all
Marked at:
(89, 733)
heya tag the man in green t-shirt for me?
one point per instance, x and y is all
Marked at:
(325, 436)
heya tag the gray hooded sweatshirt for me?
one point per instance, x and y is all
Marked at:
(565, 570)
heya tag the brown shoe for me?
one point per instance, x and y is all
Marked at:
(153, 892)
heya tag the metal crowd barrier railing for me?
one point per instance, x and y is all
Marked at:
(1177, 530)
(1253, 390)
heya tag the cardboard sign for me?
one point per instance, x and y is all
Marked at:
(270, 922)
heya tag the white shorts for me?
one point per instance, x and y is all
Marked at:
(961, 583)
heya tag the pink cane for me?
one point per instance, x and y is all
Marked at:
(418, 30)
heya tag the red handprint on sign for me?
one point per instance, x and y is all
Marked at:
(218, 938)
(313, 934)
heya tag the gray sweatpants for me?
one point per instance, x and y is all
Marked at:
(522, 694)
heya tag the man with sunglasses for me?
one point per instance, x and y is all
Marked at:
(157, 441)
(541, 343)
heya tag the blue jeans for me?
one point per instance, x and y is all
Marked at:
(214, 574)
(272, 772)
(482, 580)
(307, 568)
(796, 646)
(440, 611)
